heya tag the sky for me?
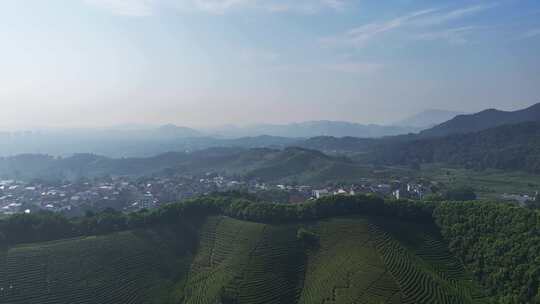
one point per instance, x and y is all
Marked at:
(85, 63)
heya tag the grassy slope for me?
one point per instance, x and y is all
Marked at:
(357, 260)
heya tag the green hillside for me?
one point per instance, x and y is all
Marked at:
(422, 265)
(298, 164)
(224, 260)
(125, 267)
(346, 267)
(483, 120)
(507, 147)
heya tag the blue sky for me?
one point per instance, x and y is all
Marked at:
(211, 62)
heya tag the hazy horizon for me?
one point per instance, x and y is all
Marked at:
(213, 127)
(207, 63)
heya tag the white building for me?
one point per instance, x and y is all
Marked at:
(320, 193)
(395, 194)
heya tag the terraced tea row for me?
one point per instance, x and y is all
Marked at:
(127, 267)
(345, 267)
(420, 279)
(425, 243)
(225, 245)
(108, 269)
(275, 269)
(224, 260)
(246, 263)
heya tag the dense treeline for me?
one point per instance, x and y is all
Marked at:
(24, 228)
(509, 147)
(499, 243)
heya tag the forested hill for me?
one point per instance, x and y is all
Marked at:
(338, 144)
(509, 147)
(483, 120)
(263, 163)
(500, 243)
(459, 125)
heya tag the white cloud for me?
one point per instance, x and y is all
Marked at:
(453, 35)
(359, 37)
(140, 8)
(448, 16)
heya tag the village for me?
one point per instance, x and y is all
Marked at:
(130, 194)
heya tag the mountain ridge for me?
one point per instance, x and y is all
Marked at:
(428, 118)
(506, 147)
(314, 128)
(483, 120)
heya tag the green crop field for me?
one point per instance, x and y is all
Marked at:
(488, 184)
(224, 260)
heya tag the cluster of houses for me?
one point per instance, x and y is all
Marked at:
(132, 194)
(395, 190)
(120, 193)
(18, 196)
(129, 194)
(521, 199)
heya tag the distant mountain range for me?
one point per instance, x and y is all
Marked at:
(308, 129)
(314, 128)
(144, 141)
(460, 124)
(488, 139)
(115, 143)
(483, 120)
(326, 136)
(175, 131)
(428, 118)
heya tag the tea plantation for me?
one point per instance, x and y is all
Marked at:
(225, 260)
